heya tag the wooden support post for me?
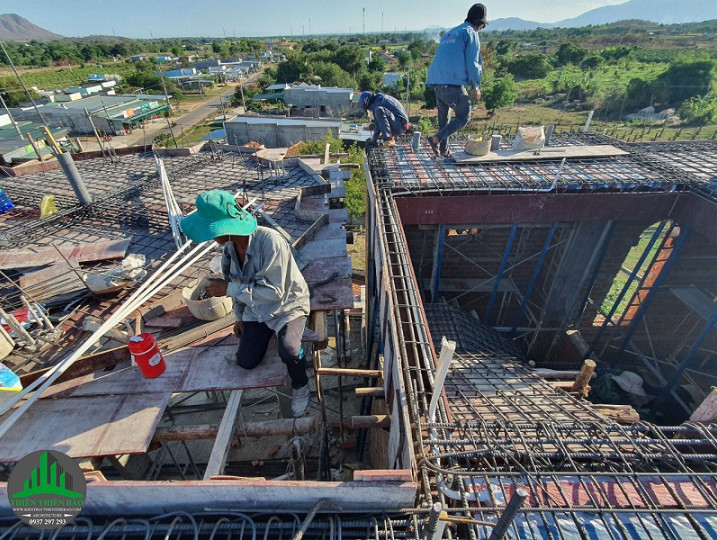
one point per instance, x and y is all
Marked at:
(317, 321)
(374, 392)
(218, 458)
(583, 378)
(706, 413)
(347, 372)
(199, 432)
(371, 421)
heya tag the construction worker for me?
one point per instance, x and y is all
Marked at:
(269, 293)
(390, 116)
(457, 64)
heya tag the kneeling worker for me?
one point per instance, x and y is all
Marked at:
(269, 293)
(390, 116)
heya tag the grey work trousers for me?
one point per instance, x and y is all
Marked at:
(449, 97)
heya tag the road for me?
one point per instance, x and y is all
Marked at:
(153, 128)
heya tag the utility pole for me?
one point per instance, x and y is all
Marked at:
(243, 102)
(364, 20)
(12, 120)
(169, 111)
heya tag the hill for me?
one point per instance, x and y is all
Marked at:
(659, 11)
(16, 28)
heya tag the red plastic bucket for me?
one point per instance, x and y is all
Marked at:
(146, 355)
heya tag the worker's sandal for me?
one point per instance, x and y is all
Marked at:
(300, 399)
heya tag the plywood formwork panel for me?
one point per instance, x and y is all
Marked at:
(86, 426)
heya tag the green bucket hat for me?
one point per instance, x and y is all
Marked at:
(218, 214)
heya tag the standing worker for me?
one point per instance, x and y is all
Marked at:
(457, 64)
(269, 293)
(390, 116)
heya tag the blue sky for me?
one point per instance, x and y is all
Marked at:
(215, 18)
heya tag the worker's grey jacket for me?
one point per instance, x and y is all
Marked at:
(270, 287)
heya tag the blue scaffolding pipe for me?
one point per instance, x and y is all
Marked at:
(503, 264)
(534, 278)
(651, 295)
(686, 361)
(439, 261)
(598, 264)
(623, 292)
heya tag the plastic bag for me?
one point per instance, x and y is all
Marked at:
(529, 138)
(47, 206)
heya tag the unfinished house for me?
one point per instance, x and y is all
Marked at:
(500, 292)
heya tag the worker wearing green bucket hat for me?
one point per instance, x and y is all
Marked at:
(260, 274)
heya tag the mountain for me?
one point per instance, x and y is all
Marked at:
(15, 28)
(659, 11)
(514, 23)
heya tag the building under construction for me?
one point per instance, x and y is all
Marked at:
(499, 291)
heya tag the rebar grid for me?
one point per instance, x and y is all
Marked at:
(586, 475)
(696, 158)
(230, 523)
(406, 171)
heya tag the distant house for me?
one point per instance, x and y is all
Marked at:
(138, 57)
(113, 115)
(389, 58)
(391, 78)
(275, 132)
(165, 59)
(328, 101)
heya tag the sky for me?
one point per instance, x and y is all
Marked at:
(229, 18)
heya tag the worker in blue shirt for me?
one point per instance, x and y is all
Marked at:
(457, 64)
(390, 116)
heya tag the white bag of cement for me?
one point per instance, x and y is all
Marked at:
(529, 138)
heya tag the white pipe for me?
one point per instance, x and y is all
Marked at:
(444, 362)
(17, 328)
(137, 298)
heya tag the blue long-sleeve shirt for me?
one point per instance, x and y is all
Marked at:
(390, 116)
(458, 61)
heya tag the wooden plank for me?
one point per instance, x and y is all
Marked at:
(60, 269)
(85, 427)
(128, 380)
(323, 249)
(553, 152)
(140, 498)
(101, 250)
(106, 360)
(323, 269)
(382, 475)
(335, 295)
(706, 413)
(209, 370)
(220, 450)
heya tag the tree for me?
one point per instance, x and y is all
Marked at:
(500, 94)
(404, 59)
(429, 98)
(529, 66)
(350, 58)
(685, 79)
(591, 62)
(569, 53)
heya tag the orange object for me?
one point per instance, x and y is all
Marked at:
(146, 355)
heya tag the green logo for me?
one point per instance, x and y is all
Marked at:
(46, 489)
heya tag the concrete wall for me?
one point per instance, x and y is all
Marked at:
(329, 103)
(277, 134)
